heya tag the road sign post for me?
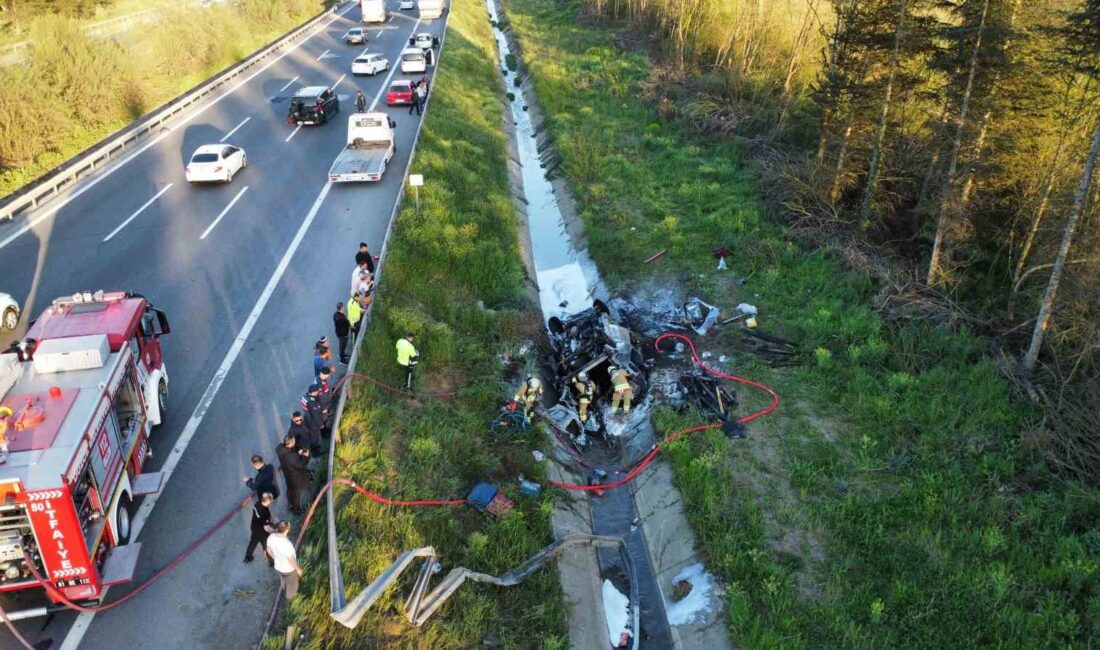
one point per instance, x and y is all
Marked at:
(416, 180)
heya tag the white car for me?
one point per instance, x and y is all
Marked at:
(369, 63)
(413, 61)
(406, 4)
(424, 41)
(355, 36)
(9, 313)
(215, 162)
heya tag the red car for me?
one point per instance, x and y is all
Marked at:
(400, 92)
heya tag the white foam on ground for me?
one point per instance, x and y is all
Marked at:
(616, 607)
(563, 285)
(696, 604)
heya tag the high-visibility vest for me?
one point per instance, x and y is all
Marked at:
(405, 351)
(355, 312)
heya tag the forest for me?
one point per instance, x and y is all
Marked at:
(948, 147)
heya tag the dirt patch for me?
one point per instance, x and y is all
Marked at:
(791, 536)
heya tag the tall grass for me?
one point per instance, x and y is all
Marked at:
(459, 249)
(896, 500)
(73, 89)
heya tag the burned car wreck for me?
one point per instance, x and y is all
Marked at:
(591, 342)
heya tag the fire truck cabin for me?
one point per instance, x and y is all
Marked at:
(75, 424)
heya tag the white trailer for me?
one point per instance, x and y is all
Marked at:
(374, 11)
(369, 149)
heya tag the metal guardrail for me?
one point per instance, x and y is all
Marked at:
(337, 600)
(61, 177)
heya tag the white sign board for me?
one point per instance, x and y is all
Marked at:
(416, 180)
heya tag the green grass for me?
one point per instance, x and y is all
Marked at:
(75, 90)
(460, 248)
(896, 499)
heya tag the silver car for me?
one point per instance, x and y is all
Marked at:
(9, 313)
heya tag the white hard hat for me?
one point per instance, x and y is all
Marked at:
(582, 376)
(534, 382)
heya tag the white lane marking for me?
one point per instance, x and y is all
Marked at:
(31, 223)
(339, 80)
(84, 621)
(288, 84)
(230, 134)
(386, 83)
(292, 133)
(378, 35)
(223, 213)
(322, 55)
(135, 214)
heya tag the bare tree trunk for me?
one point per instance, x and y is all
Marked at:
(795, 63)
(880, 132)
(838, 173)
(946, 193)
(1047, 305)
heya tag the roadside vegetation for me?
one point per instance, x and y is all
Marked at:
(453, 276)
(72, 89)
(900, 498)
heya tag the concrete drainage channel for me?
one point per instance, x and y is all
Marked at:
(645, 513)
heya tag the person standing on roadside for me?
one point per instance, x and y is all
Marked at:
(264, 481)
(298, 430)
(407, 358)
(322, 355)
(355, 315)
(314, 418)
(414, 97)
(364, 256)
(284, 559)
(261, 526)
(343, 330)
(294, 463)
(421, 93)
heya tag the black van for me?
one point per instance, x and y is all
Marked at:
(313, 105)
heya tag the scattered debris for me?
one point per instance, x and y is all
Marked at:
(696, 601)
(654, 257)
(487, 498)
(700, 316)
(680, 590)
(538, 455)
(710, 396)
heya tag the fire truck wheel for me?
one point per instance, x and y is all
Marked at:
(122, 518)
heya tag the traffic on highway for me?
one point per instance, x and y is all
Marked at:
(237, 221)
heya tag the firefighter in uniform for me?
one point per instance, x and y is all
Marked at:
(528, 394)
(586, 390)
(620, 383)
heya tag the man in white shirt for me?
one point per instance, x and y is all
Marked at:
(285, 559)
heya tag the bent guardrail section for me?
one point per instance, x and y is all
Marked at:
(50, 184)
(421, 604)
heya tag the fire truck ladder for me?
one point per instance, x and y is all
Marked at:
(421, 603)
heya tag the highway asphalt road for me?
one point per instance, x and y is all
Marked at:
(263, 283)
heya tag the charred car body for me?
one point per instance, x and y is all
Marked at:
(591, 342)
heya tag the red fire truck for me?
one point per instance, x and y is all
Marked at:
(78, 398)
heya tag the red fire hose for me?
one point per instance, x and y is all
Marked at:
(637, 469)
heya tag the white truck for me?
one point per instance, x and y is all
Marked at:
(374, 11)
(369, 149)
(430, 9)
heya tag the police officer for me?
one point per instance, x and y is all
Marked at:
(528, 394)
(314, 417)
(586, 390)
